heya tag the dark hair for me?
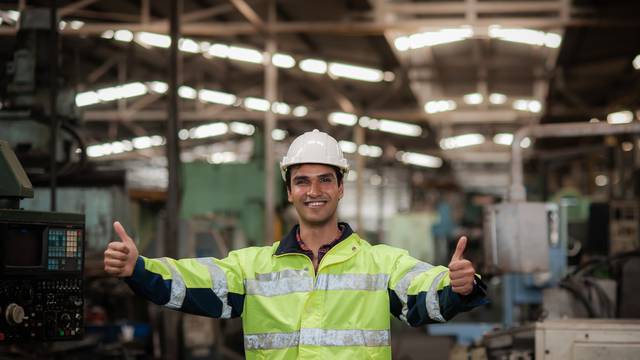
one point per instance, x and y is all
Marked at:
(287, 175)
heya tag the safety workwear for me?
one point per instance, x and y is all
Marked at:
(289, 311)
(314, 147)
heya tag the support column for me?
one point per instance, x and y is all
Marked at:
(270, 89)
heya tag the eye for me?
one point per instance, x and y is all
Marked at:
(326, 179)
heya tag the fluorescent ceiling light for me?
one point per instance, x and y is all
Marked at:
(183, 134)
(370, 150)
(187, 92)
(342, 118)
(497, 98)
(278, 134)
(620, 117)
(356, 72)
(123, 35)
(533, 106)
(473, 99)
(108, 94)
(76, 24)
(432, 38)
(636, 62)
(419, 159)
(459, 141)
(132, 90)
(400, 128)
(158, 87)
(242, 128)
(507, 139)
(87, 98)
(313, 66)
(223, 157)
(257, 104)
(348, 147)
(217, 97)
(147, 39)
(436, 106)
(300, 111)
(188, 45)
(283, 61)
(526, 36)
(245, 54)
(219, 50)
(209, 130)
(281, 108)
(142, 142)
(108, 34)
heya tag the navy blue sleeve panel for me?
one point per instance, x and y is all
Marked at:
(149, 285)
(197, 301)
(450, 303)
(395, 305)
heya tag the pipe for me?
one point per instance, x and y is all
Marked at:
(517, 192)
(53, 95)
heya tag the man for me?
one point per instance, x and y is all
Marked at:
(321, 292)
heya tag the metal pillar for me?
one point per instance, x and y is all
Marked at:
(359, 140)
(53, 94)
(172, 319)
(270, 89)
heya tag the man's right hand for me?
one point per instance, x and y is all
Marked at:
(120, 256)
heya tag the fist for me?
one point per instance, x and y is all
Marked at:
(120, 256)
(461, 271)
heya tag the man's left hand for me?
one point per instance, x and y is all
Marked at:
(461, 271)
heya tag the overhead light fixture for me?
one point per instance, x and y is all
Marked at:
(636, 62)
(219, 50)
(209, 130)
(242, 128)
(216, 97)
(620, 117)
(355, 72)
(497, 98)
(123, 35)
(87, 98)
(278, 134)
(507, 139)
(460, 141)
(526, 36)
(436, 106)
(300, 111)
(418, 159)
(281, 108)
(148, 39)
(283, 61)
(313, 66)
(397, 127)
(158, 87)
(533, 106)
(432, 38)
(342, 118)
(245, 54)
(188, 45)
(349, 147)
(257, 104)
(142, 142)
(222, 157)
(76, 24)
(473, 99)
(107, 34)
(187, 92)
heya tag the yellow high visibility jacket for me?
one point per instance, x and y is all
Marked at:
(290, 311)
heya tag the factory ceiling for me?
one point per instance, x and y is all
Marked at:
(453, 68)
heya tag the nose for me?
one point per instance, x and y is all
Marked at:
(314, 189)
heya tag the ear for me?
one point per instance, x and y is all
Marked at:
(341, 190)
(289, 196)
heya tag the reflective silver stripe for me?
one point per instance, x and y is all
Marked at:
(367, 282)
(218, 284)
(178, 289)
(271, 340)
(317, 337)
(402, 287)
(322, 337)
(433, 303)
(279, 283)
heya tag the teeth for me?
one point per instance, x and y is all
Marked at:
(316, 203)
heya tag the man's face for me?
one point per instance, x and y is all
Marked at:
(315, 193)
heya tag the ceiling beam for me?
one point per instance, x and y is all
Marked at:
(249, 14)
(73, 7)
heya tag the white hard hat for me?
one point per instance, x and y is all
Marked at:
(314, 147)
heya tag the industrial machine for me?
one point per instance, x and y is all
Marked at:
(41, 264)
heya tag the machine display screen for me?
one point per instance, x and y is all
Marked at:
(23, 246)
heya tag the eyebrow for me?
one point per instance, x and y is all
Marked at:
(308, 176)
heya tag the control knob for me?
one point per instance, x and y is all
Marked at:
(14, 314)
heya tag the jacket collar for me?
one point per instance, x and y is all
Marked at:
(289, 243)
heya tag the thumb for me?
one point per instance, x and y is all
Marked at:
(459, 253)
(122, 233)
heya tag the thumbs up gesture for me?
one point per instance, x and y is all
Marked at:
(120, 256)
(461, 271)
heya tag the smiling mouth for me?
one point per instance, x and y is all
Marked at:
(315, 203)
